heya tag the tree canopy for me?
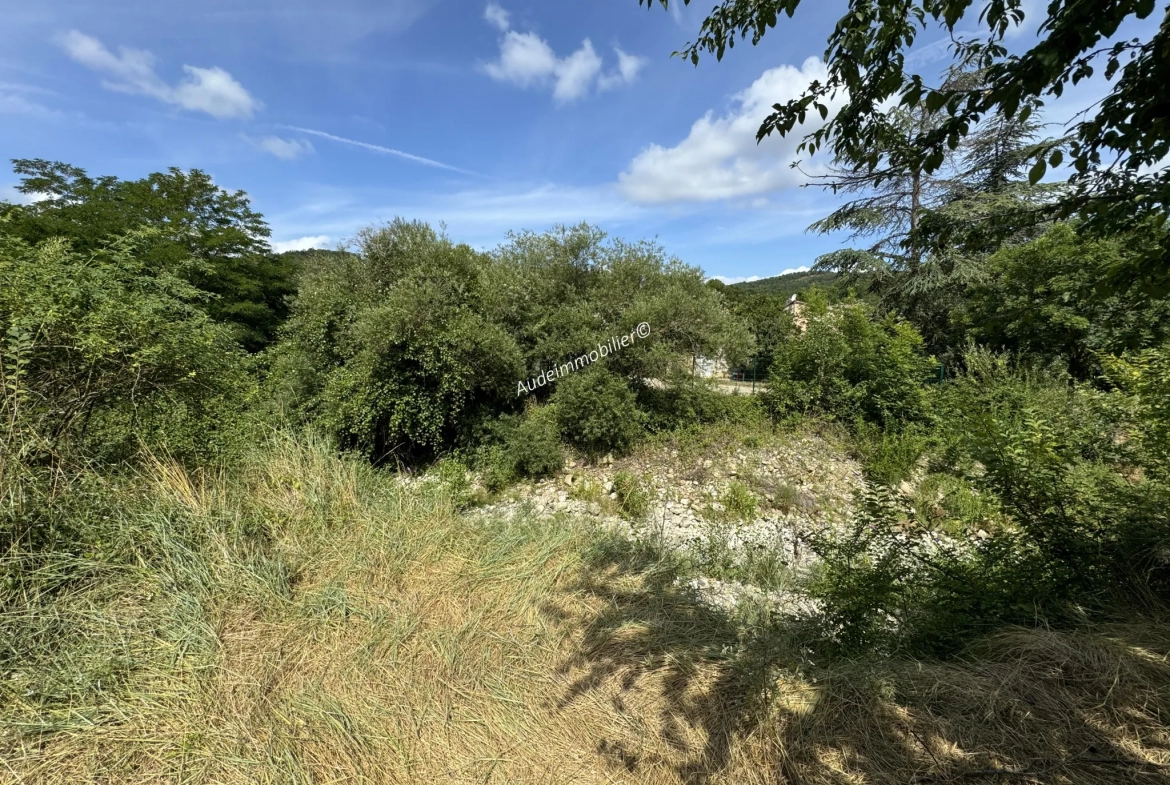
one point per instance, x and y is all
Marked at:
(1114, 148)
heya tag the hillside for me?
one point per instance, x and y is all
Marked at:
(785, 285)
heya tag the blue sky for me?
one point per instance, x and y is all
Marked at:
(488, 117)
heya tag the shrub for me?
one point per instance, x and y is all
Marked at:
(888, 456)
(849, 365)
(1077, 529)
(633, 495)
(739, 503)
(597, 412)
(100, 354)
(527, 446)
(689, 402)
(535, 445)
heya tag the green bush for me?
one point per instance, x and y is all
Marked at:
(1076, 529)
(739, 503)
(102, 353)
(850, 365)
(633, 495)
(525, 447)
(689, 402)
(888, 456)
(597, 412)
(534, 447)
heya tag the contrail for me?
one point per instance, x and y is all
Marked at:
(377, 148)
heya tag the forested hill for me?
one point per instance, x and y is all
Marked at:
(787, 284)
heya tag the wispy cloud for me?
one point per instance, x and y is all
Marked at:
(210, 90)
(377, 148)
(284, 149)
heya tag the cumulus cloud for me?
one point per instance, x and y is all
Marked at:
(284, 149)
(301, 244)
(210, 90)
(497, 17)
(527, 60)
(720, 159)
(625, 73)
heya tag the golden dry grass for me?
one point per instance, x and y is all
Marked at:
(375, 636)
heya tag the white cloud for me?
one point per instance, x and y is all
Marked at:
(8, 193)
(210, 90)
(576, 72)
(377, 148)
(749, 278)
(735, 279)
(627, 71)
(720, 158)
(284, 149)
(497, 17)
(526, 60)
(301, 244)
(15, 103)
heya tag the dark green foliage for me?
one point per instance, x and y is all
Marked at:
(534, 446)
(1076, 530)
(103, 352)
(888, 455)
(689, 401)
(193, 219)
(1043, 299)
(597, 412)
(848, 365)
(395, 350)
(519, 447)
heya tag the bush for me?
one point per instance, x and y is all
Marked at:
(597, 412)
(527, 446)
(690, 402)
(633, 495)
(1076, 528)
(102, 353)
(888, 456)
(849, 365)
(534, 447)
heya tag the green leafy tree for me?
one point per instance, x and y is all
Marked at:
(1114, 148)
(1043, 300)
(194, 220)
(395, 349)
(100, 354)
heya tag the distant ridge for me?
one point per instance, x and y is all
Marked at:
(786, 285)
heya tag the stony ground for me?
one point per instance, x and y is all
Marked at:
(726, 502)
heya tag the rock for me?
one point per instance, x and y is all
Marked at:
(608, 486)
(613, 495)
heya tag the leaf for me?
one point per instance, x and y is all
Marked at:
(1055, 159)
(934, 101)
(1037, 172)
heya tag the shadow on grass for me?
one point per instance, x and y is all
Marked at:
(651, 626)
(1023, 706)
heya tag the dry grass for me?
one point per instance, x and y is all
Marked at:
(327, 627)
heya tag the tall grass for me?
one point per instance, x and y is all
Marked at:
(302, 618)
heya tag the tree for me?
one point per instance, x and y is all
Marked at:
(1112, 148)
(1041, 300)
(210, 236)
